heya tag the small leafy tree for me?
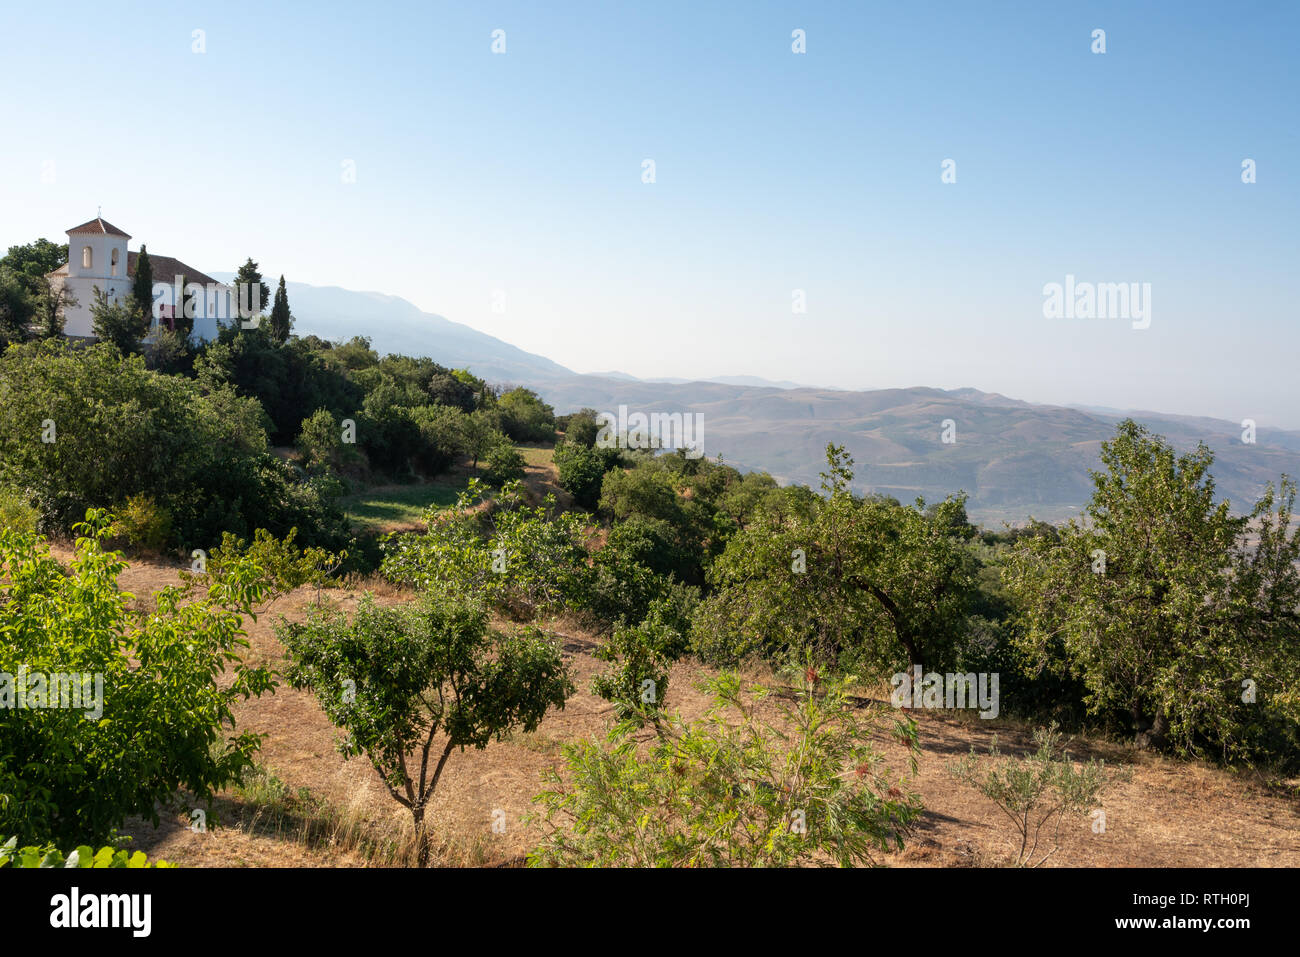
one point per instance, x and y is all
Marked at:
(396, 678)
(862, 583)
(284, 564)
(503, 464)
(16, 513)
(481, 434)
(53, 299)
(258, 294)
(733, 790)
(527, 557)
(17, 309)
(1036, 791)
(637, 684)
(161, 693)
(582, 470)
(525, 417)
(320, 441)
(144, 523)
(118, 323)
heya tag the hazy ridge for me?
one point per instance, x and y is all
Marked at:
(1014, 458)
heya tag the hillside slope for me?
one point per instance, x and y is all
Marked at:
(1013, 458)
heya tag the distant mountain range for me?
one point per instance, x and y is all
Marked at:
(394, 325)
(1013, 458)
(752, 380)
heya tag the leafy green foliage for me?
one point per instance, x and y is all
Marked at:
(1164, 607)
(284, 565)
(145, 524)
(33, 261)
(580, 428)
(17, 310)
(142, 285)
(83, 428)
(11, 855)
(121, 325)
(528, 558)
(863, 583)
(732, 790)
(290, 382)
(24, 290)
(525, 417)
(167, 682)
(250, 275)
(503, 465)
(582, 470)
(16, 514)
(642, 655)
(281, 318)
(397, 678)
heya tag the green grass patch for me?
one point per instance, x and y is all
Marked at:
(536, 456)
(396, 506)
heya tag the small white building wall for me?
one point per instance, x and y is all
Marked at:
(102, 248)
(213, 308)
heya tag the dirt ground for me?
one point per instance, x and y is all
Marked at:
(1169, 813)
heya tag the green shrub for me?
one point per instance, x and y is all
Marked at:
(442, 438)
(642, 656)
(582, 470)
(866, 584)
(1181, 619)
(16, 514)
(503, 464)
(515, 555)
(155, 713)
(732, 790)
(525, 417)
(88, 428)
(1037, 791)
(145, 524)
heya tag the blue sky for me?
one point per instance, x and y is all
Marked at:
(521, 172)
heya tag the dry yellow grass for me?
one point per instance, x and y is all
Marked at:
(1168, 814)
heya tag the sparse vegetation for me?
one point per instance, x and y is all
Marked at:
(1040, 790)
(733, 790)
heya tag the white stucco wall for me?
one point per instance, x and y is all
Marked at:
(213, 308)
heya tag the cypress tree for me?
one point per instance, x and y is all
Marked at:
(281, 319)
(142, 285)
(182, 323)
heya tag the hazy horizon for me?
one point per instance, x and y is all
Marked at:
(515, 179)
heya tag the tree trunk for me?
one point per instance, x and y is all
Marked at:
(1153, 733)
(421, 844)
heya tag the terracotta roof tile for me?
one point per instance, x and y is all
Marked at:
(166, 269)
(97, 225)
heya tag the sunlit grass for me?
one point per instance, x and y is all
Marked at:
(396, 506)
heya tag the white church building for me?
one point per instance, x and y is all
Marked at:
(98, 258)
